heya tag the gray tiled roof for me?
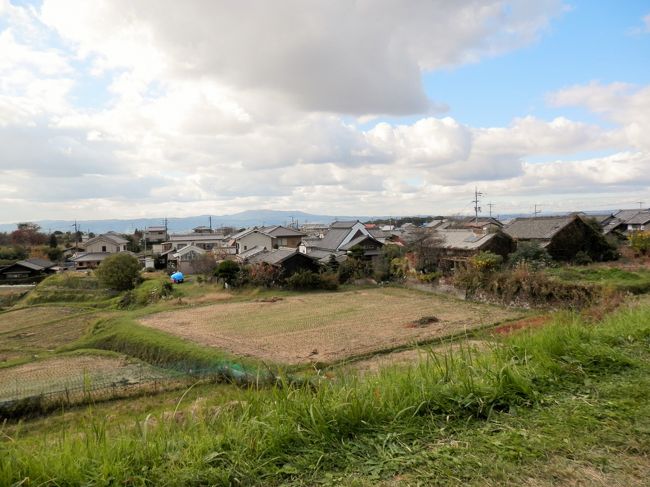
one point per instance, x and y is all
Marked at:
(463, 239)
(358, 240)
(540, 228)
(280, 231)
(344, 224)
(37, 264)
(333, 238)
(625, 215)
(641, 218)
(274, 257)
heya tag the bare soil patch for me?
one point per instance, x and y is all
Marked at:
(532, 322)
(326, 327)
(72, 373)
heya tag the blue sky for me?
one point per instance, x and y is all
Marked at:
(122, 108)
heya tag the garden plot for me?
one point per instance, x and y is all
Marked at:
(73, 374)
(326, 327)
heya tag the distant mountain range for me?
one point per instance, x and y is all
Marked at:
(238, 220)
(243, 219)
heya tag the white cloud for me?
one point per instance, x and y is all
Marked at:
(217, 107)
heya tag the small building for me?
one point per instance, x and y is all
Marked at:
(205, 241)
(185, 259)
(457, 245)
(26, 271)
(562, 236)
(90, 260)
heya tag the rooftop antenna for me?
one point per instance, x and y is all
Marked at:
(640, 205)
(536, 211)
(476, 201)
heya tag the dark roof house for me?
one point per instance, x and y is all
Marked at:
(25, 271)
(562, 236)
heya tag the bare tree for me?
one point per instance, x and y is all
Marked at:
(426, 245)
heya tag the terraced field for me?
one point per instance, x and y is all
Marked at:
(29, 331)
(326, 327)
(76, 374)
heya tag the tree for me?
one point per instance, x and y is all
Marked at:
(28, 234)
(119, 272)
(53, 241)
(227, 271)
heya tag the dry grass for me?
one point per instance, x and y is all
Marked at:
(325, 327)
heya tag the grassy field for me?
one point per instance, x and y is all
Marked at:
(563, 404)
(326, 327)
(635, 280)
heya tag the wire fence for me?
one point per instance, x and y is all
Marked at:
(24, 399)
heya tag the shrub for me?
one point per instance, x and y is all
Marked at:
(305, 280)
(353, 268)
(582, 258)
(263, 274)
(119, 272)
(640, 241)
(486, 262)
(531, 254)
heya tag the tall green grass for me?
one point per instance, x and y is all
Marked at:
(122, 334)
(287, 433)
(635, 282)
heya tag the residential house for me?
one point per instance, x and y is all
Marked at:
(96, 249)
(342, 236)
(289, 260)
(110, 242)
(562, 236)
(267, 238)
(623, 222)
(154, 237)
(205, 241)
(26, 271)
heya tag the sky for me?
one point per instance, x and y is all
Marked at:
(121, 109)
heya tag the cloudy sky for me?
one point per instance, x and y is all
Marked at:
(119, 109)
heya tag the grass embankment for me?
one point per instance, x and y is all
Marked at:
(69, 288)
(631, 281)
(545, 400)
(122, 334)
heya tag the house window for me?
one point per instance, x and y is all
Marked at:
(245, 247)
(103, 248)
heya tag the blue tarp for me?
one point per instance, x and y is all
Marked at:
(177, 277)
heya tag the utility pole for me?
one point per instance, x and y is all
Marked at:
(210, 220)
(640, 205)
(491, 205)
(476, 201)
(536, 211)
(76, 233)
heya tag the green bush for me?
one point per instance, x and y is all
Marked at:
(119, 272)
(530, 254)
(305, 280)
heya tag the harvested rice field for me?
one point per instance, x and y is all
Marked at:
(76, 374)
(29, 331)
(327, 327)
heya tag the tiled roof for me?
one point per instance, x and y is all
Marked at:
(641, 218)
(463, 239)
(274, 257)
(344, 224)
(540, 228)
(358, 240)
